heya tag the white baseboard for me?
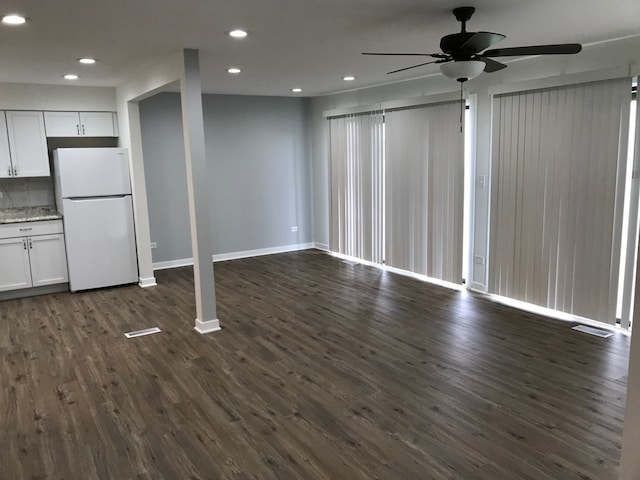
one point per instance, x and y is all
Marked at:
(478, 287)
(423, 278)
(182, 262)
(208, 326)
(555, 314)
(262, 251)
(147, 282)
(321, 246)
(221, 257)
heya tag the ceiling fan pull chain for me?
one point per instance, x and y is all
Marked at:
(461, 106)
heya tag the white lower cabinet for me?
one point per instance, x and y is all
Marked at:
(14, 258)
(48, 260)
(32, 261)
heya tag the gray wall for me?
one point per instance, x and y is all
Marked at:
(259, 172)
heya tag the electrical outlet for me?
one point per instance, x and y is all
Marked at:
(154, 245)
(482, 181)
(294, 229)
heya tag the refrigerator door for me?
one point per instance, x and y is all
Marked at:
(101, 249)
(91, 172)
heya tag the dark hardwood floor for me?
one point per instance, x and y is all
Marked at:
(323, 370)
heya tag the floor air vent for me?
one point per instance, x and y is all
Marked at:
(140, 333)
(598, 332)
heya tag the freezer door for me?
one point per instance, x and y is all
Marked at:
(91, 172)
(99, 235)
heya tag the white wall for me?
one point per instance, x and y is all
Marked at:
(621, 53)
(19, 96)
(139, 85)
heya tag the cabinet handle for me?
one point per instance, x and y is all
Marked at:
(30, 244)
(78, 129)
(9, 171)
(24, 243)
(82, 129)
(15, 171)
(26, 229)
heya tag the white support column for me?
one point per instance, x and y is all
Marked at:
(197, 181)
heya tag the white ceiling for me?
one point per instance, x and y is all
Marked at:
(306, 43)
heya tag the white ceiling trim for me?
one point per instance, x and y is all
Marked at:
(563, 80)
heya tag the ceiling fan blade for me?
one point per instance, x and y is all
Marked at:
(413, 66)
(561, 49)
(490, 65)
(433, 55)
(480, 41)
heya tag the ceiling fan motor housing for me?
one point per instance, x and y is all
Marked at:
(454, 44)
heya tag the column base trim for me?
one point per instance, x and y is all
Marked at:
(147, 282)
(208, 326)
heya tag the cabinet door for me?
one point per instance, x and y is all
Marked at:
(14, 258)
(62, 124)
(5, 157)
(28, 144)
(97, 124)
(48, 260)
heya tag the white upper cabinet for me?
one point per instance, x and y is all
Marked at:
(80, 124)
(62, 124)
(27, 144)
(97, 124)
(6, 167)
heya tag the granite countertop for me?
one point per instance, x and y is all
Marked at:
(28, 214)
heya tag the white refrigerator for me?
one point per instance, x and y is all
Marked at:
(93, 193)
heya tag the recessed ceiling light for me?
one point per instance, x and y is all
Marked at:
(233, 70)
(87, 61)
(14, 19)
(238, 33)
(71, 76)
(296, 90)
(349, 78)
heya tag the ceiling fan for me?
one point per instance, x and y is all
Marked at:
(465, 54)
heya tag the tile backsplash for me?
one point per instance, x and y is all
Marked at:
(26, 192)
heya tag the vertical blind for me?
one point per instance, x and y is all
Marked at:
(557, 179)
(425, 190)
(357, 165)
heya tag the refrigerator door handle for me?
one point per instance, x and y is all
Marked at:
(88, 199)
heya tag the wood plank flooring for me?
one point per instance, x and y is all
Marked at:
(323, 370)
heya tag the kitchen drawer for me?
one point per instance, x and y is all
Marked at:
(28, 229)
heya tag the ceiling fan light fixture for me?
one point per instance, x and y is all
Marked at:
(462, 70)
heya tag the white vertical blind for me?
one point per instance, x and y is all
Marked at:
(357, 172)
(557, 181)
(424, 190)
